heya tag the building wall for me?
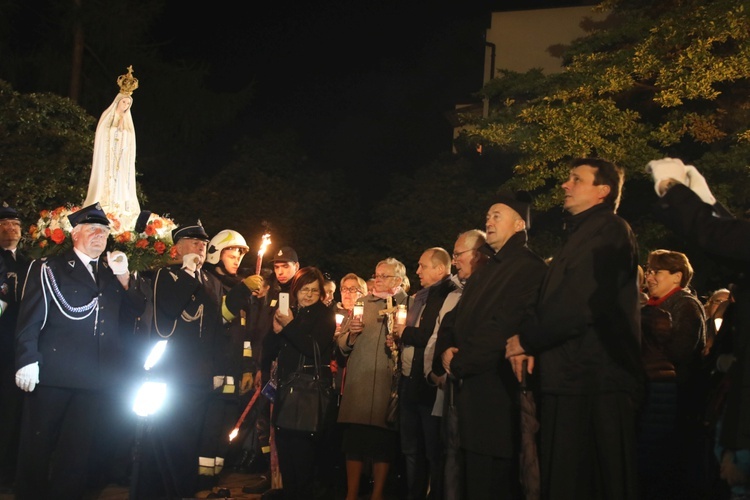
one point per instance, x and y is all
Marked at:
(527, 39)
(521, 40)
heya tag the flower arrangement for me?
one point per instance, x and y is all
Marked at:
(148, 249)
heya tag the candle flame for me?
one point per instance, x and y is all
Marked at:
(234, 433)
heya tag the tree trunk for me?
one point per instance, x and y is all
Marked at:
(77, 59)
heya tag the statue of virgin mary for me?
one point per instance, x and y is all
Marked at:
(112, 181)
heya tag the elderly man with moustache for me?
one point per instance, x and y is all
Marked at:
(68, 353)
(190, 307)
(494, 303)
(467, 259)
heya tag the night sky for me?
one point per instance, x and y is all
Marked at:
(364, 81)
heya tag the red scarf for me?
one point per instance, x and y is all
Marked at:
(657, 301)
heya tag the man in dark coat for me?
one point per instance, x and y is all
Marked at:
(68, 352)
(419, 429)
(586, 339)
(494, 302)
(14, 265)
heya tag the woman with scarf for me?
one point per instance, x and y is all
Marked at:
(674, 334)
(369, 374)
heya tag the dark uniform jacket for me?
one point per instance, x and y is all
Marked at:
(494, 302)
(81, 353)
(237, 359)
(14, 273)
(187, 312)
(729, 240)
(587, 328)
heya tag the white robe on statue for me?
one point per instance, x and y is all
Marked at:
(112, 181)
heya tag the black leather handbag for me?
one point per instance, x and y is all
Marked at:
(305, 401)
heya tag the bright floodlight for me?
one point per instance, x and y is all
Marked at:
(150, 398)
(155, 354)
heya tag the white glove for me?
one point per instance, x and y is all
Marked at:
(3, 307)
(28, 376)
(190, 263)
(666, 168)
(698, 184)
(118, 262)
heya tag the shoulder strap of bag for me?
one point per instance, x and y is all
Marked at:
(316, 359)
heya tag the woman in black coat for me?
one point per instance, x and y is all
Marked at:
(308, 323)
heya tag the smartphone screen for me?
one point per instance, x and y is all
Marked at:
(284, 303)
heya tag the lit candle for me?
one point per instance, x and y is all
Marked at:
(401, 315)
(359, 310)
(339, 319)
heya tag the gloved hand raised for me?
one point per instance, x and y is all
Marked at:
(190, 263)
(698, 184)
(253, 282)
(118, 262)
(28, 376)
(666, 168)
(247, 383)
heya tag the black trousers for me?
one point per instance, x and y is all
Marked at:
(172, 445)
(56, 422)
(297, 455)
(491, 478)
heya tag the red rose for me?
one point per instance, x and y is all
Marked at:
(58, 236)
(173, 252)
(150, 230)
(160, 247)
(142, 243)
(123, 237)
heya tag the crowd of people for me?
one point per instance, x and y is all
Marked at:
(633, 387)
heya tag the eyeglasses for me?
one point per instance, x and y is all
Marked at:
(381, 276)
(311, 291)
(458, 254)
(654, 272)
(353, 289)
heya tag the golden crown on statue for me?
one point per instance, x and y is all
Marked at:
(128, 83)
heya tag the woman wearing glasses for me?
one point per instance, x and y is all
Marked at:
(367, 388)
(674, 333)
(309, 322)
(352, 289)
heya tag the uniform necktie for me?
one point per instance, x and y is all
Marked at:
(93, 264)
